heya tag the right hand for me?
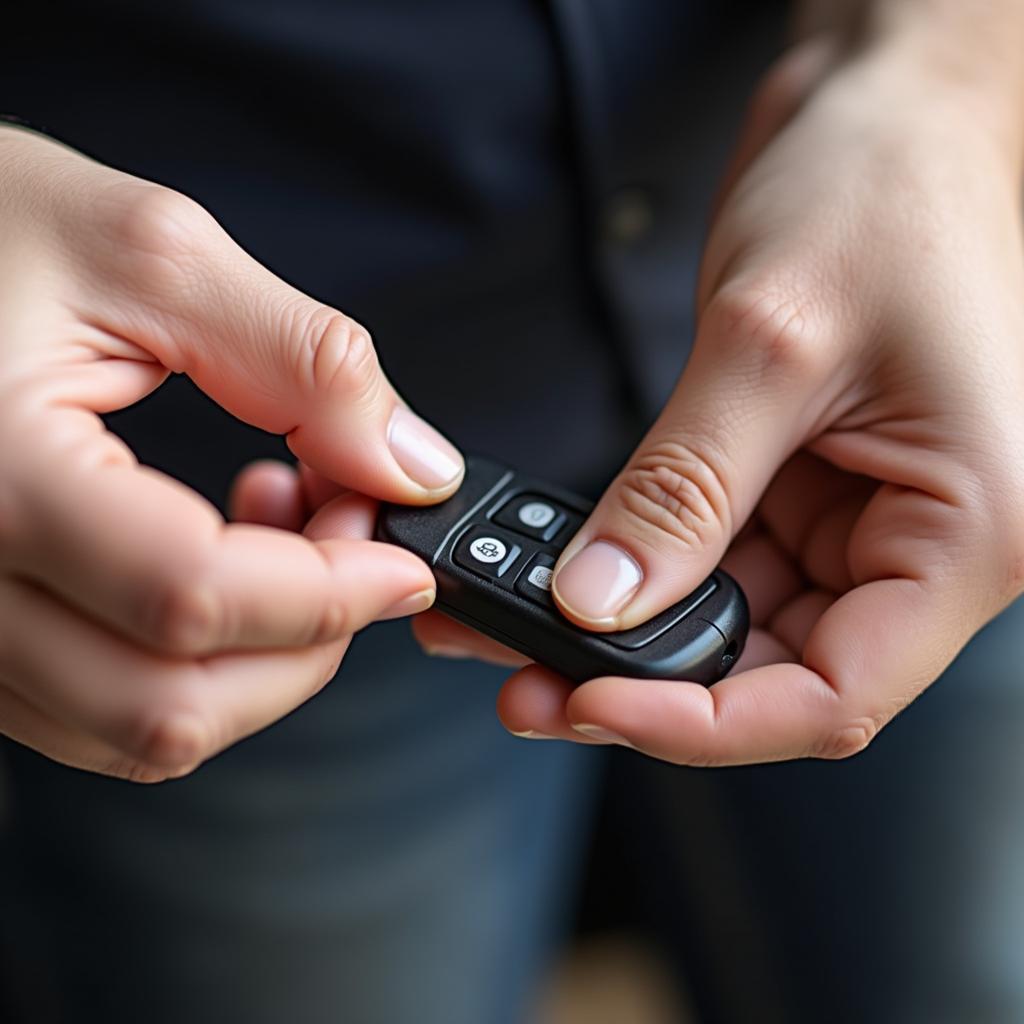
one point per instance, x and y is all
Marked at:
(139, 633)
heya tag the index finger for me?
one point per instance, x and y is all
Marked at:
(147, 556)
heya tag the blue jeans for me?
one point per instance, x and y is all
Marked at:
(888, 888)
(388, 855)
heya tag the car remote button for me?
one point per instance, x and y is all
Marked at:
(488, 549)
(487, 553)
(540, 576)
(537, 514)
(532, 515)
(534, 581)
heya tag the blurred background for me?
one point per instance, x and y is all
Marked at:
(513, 197)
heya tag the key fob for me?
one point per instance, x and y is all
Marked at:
(492, 547)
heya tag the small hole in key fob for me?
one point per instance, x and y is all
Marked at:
(493, 546)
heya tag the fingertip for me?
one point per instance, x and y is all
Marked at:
(601, 734)
(612, 583)
(371, 582)
(390, 454)
(267, 492)
(534, 701)
(424, 455)
(415, 575)
(595, 583)
(412, 604)
(429, 629)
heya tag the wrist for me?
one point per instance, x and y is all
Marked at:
(975, 44)
(938, 57)
(902, 85)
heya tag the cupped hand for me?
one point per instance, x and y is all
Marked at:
(847, 436)
(139, 633)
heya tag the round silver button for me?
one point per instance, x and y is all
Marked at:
(488, 550)
(537, 514)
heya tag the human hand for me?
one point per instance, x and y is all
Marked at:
(139, 633)
(847, 435)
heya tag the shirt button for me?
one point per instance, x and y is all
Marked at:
(628, 216)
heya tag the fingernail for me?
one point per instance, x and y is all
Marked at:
(597, 583)
(411, 605)
(425, 456)
(597, 732)
(532, 734)
(448, 651)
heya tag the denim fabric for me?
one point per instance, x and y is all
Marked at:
(887, 888)
(387, 854)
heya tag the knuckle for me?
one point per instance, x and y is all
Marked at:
(153, 219)
(768, 328)
(677, 491)
(333, 622)
(188, 616)
(175, 737)
(848, 740)
(338, 356)
(157, 235)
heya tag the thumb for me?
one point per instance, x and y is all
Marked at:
(271, 355)
(665, 522)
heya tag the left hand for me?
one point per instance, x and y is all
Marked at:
(847, 439)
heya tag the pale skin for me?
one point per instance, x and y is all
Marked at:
(847, 437)
(140, 634)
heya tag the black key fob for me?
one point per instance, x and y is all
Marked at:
(492, 547)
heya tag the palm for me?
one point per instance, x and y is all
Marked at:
(793, 559)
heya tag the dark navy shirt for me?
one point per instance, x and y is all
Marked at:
(510, 194)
